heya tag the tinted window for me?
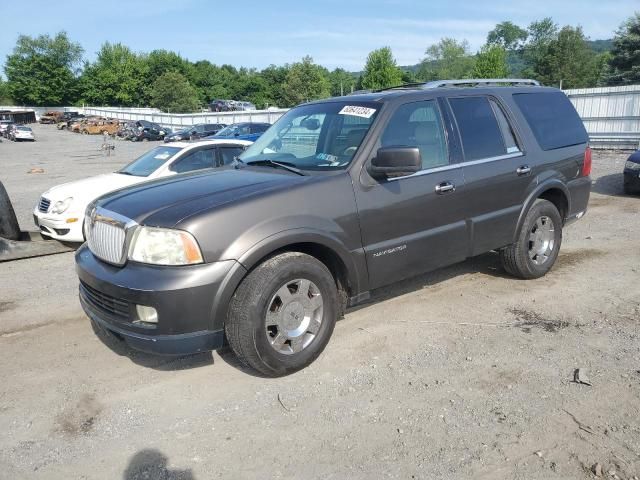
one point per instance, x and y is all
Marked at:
(479, 130)
(552, 118)
(227, 154)
(259, 128)
(508, 135)
(149, 162)
(195, 161)
(418, 125)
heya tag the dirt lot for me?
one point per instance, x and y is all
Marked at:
(461, 373)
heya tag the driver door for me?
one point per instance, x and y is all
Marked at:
(413, 224)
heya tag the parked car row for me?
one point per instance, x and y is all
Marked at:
(200, 130)
(16, 132)
(230, 106)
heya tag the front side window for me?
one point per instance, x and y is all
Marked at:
(197, 160)
(322, 136)
(418, 125)
(479, 130)
(149, 162)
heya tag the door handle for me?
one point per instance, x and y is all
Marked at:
(445, 187)
(523, 170)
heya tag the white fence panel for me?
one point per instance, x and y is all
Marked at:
(611, 115)
(176, 121)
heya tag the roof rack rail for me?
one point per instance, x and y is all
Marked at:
(474, 82)
(483, 82)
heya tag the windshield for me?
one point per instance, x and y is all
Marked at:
(323, 136)
(231, 130)
(149, 162)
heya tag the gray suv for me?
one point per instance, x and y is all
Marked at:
(338, 198)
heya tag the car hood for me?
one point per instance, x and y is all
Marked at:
(91, 188)
(165, 202)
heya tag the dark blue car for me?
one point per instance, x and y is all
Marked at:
(632, 174)
(250, 131)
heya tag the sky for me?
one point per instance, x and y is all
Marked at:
(254, 34)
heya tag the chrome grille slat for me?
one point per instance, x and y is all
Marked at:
(106, 236)
(44, 204)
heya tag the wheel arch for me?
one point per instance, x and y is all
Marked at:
(552, 190)
(326, 249)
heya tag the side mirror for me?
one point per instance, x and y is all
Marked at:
(395, 162)
(310, 124)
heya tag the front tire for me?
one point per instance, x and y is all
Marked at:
(536, 249)
(282, 315)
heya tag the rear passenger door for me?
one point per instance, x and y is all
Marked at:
(416, 223)
(496, 169)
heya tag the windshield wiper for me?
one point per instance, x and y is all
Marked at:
(271, 163)
(125, 173)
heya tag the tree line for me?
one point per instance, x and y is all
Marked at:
(50, 70)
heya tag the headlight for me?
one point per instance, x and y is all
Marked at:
(629, 165)
(62, 205)
(163, 246)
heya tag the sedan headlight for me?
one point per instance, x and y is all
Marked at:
(61, 206)
(629, 165)
(163, 246)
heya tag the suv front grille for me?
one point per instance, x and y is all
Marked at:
(105, 303)
(44, 204)
(106, 239)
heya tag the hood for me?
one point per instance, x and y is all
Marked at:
(165, 202)
(92, 187)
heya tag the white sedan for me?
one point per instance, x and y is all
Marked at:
(21, 133)
(60, 211)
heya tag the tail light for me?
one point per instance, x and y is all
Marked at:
(586, 165)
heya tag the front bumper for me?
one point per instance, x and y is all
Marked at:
(184, 298)
(58, 228)
(632, 180)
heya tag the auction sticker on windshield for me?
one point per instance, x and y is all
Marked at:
(364, 112)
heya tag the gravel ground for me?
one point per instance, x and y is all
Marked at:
(461, 373)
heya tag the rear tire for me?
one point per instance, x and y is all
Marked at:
(9, 228)
(536, 249)
(282, 315)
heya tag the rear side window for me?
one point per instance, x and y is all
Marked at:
(508, 135)
(479, 130)
(552, 118)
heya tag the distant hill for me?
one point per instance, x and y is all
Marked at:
(515, 61)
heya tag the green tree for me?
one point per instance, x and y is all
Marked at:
(569, 59)
(342, 82)
(43, 70)
(172, 92)
(624, 63)
(381, 71)
(491, 62)
(159, 62)
(117, 77)
(508, 35)
(274, 78)
(540, 35)
(305, 81)
(4, 93)
(447, 59)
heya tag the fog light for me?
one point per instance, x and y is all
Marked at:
(72, 220)
(147, 314)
